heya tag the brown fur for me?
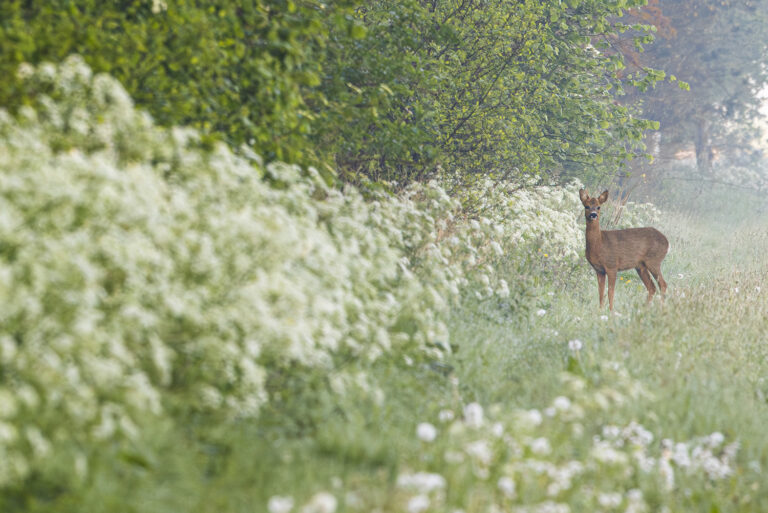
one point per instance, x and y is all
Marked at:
(611, 251)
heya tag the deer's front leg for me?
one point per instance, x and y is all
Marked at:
(600, 286)
(611, 286)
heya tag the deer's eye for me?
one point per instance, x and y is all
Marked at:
(598, 208)
(587, 208)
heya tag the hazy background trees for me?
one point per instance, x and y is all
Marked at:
(719, 49)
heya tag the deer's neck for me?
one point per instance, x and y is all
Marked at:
(594, 241)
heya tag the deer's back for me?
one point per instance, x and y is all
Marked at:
(626, 249)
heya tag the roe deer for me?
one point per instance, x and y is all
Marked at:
(611, 251)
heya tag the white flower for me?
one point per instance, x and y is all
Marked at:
(530, 419)
(540, 446)
(322, 502)
(473, 415)
(418, 503)
(715, 439)
(426, 432)
(541, 312)
(575, 345)
(421, 482)
(278, 504)
(507, 486)
(609, 500)
(480, 451)
(445, 415)
(603, 317)
(562, 403)
(667, 473)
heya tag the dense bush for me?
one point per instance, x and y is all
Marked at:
(383, 90)
(503, 88)
(232, 68)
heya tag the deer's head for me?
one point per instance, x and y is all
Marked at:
(592, 205)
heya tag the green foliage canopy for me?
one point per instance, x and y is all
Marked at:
(504, 88)
(232, 68)
(378, 90)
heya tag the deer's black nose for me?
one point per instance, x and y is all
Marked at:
(593, 215)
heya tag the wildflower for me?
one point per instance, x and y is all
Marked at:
(562, 403)
(540, 312)
(507, 486)
(575, 345)
(426, 432)
(609, 500)
(445, 415)
(667, 473)
(715, 439)
(480, 451)
(418, 503)
(530, 419)
(540, 446)
(603, 317)
(421, 482)
(278, 504)
(322, 502)
(473, 415)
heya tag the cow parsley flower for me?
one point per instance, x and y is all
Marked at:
(279, 504)
(426, 432)
(575, 345)
(473, 415)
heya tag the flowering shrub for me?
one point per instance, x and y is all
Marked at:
(139, 270)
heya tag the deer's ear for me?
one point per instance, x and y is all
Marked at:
(583, 196)
(603, 197)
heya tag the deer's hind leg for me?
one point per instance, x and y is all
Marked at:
(647, 281)
(656, 272)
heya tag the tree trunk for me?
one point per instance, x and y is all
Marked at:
(703, 148)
